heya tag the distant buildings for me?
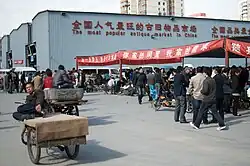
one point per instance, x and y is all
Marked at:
(244, 10)
(153, 7)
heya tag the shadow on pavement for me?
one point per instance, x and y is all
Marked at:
(7, 113)
(166, 109)
(54, 156)
(103, 120)
(233, 120)
(90, 153)
(87, 109)
(8, 127)
(91, 94)
(91, 101)
(94, 153)
(4, 120)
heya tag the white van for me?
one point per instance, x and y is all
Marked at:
(24, 69)
(100, 70)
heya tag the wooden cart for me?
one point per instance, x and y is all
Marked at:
(62, 131)
(65, 101)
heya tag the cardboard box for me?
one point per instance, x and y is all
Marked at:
(59, 127)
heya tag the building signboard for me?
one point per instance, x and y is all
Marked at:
(160, 30)
(135, 29)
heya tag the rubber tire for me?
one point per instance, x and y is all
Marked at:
(76, 111)
(158, 105)
(75, 154)
(34, 159)
(189, 107)
(23, 135)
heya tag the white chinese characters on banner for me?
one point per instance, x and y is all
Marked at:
(187, 50)
(169, 53)
(205, 46)
(125, 55)
(149, 54)
(194, 49)
(134, 55)
(248, 50)
(157, 54)
(113, 57)
(141, 56)
(178, 52)
(236, 47)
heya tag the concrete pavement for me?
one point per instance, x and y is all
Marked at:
(127, 134)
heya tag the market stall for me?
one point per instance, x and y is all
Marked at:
(221, 48)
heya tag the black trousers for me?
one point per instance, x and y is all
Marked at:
(219, 106)
(203, 109)
(180, 108)
(227, 103)
(141, 91)
(25, 111)
(236, 104)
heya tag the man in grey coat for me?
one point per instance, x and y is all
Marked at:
(209, 101)
(61, 79)
(194, 90)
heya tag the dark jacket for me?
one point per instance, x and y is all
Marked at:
(141, 80)
(209, 90)
(219, 80)
(180, 85)
(36, 98)
(61, 79)
(134, 77)
(158, 78)
(227, 85)
(235, 84)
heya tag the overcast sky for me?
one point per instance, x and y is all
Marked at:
(15, 12)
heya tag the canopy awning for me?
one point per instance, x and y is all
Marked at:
(209, 49)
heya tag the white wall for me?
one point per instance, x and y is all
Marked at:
(5, 47)
(65, 46)
(18, 40)
(40, 35)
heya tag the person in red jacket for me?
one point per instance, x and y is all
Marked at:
(48, 81)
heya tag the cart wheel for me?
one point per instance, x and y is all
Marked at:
(73, 110)
(157, 105)
(23, 135)
(72, 151)
(31, 143)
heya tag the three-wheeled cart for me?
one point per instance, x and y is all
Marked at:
(63, 131)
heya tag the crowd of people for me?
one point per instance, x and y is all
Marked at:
(214, 89)
(208, 89)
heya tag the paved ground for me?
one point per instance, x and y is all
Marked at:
(127, 134)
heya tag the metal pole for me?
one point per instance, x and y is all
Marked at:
(120, 63)
(226, 53)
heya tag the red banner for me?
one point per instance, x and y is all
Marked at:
(238, 47)
(19, 62)
(166, 54)
(152, 56)
(98, 60)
